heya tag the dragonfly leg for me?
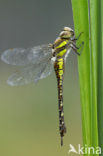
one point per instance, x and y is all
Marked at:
(75, 48)
(72, 44)
(75, 39)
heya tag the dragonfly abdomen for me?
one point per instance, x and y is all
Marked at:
(59, 70)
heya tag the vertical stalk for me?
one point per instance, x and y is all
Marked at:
(100, 76)
(81, 24)
(87, 19)
(94, 46)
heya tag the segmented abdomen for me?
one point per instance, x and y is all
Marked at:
(59, 70)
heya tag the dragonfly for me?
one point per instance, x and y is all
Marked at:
(38, 62)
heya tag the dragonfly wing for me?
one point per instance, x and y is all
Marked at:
(31, 73)
(46, 71)
(20, 56)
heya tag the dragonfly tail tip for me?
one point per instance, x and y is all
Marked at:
(61, 141)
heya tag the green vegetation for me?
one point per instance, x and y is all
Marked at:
(88, 19)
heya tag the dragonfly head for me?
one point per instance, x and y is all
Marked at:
(66, 33)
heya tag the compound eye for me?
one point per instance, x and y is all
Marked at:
(68, 29)
(66, 34)
(72, 33)
(63, 34)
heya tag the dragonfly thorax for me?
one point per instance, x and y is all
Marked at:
(60, 48)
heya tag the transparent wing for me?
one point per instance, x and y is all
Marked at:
(31, 73)
(20, 56)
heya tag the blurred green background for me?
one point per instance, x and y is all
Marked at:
(29, 114)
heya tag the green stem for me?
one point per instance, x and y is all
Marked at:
(100, 76)
(87, 19)
(81, 24)
(94, 45)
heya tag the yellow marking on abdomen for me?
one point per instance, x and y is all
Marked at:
(60, 65)
(59, 69)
